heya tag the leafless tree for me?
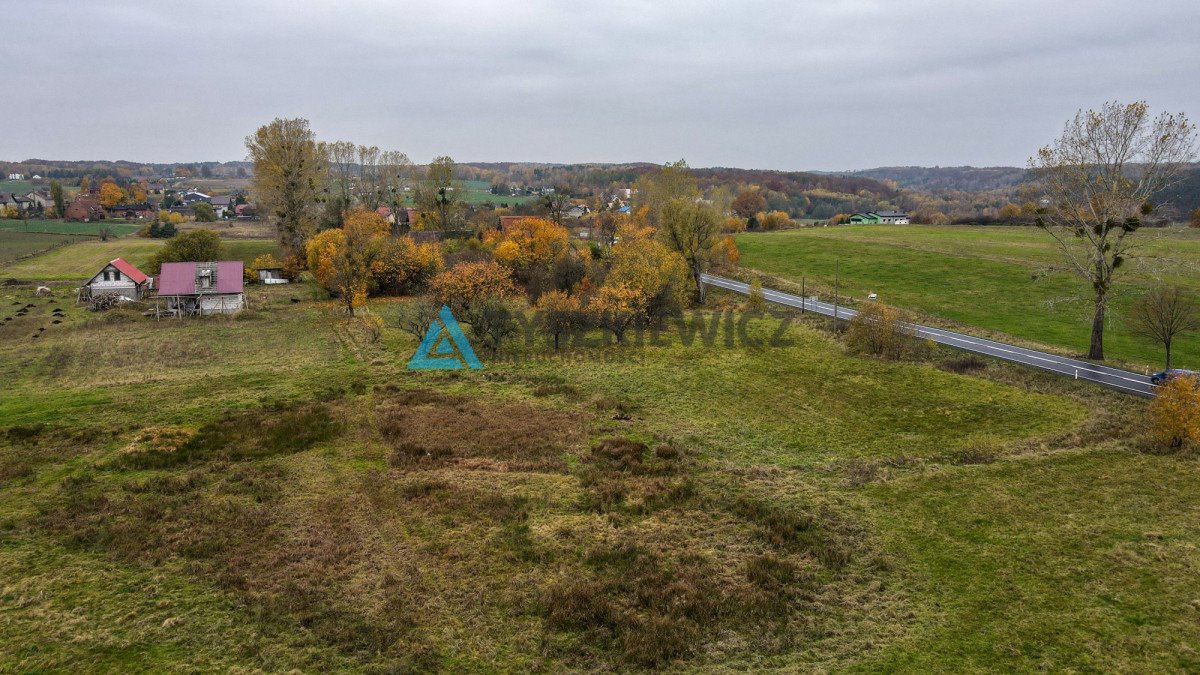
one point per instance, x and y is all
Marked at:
(1163, 315)
(1099, 178)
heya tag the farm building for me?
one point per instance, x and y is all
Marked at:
(271, 275)
(880, 217)
(202, 288)
(118, 277)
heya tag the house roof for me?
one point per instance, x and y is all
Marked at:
(140, 206)
(891, 214)
(221, 201)
(135, 275)
(179, 278)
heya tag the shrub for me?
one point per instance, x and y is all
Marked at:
(880, 330)
(1194, 219)
(492, 320)
(1175, 413)
(756, 301)
(193, 245)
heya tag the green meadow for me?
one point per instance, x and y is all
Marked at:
(1004, 280)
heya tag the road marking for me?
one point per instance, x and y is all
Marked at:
(1102, 375)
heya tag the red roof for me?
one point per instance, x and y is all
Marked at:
(128, 270)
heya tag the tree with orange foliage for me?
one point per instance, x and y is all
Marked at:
(652, 270)
(111, 194)
(726, 253)
(775, 220)
(342, 258)
(561, 313)
(615, 307)
(403, 266)
(530, 243)
(1175, 412)
(468, 283)
(748, 203)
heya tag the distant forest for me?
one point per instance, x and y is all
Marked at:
(962, 194)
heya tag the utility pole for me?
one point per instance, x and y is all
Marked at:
(803, 296)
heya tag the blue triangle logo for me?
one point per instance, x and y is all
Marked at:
(444, 347)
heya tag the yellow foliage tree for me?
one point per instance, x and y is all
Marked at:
(403, 266)
(468, 283)
(615, 307)
(653, 271)
(111, 194)
(1175, 412)
(342, 258)
(530, 243)
(775, 220)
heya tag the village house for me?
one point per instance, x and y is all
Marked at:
(118, 277)
(84, 209)
(245, 211)
(221, 205)
(137, 211)
(193, 196)
(41, 199)
(202, 288)
(577, 211)
(16, 176)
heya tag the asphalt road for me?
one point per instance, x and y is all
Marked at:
(1113, 378)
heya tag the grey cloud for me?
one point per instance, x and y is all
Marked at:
(791, 85)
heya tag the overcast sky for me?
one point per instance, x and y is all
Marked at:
(799, 84)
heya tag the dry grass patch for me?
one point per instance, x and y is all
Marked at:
(426, 428)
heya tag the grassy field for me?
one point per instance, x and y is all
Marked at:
(277, 491)
(81, 259)
(54, 226)
(995, 278)
(20, 187)
(14, 245)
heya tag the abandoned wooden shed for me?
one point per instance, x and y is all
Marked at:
(202, 288)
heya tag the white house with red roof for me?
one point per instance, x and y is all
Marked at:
(118, 277)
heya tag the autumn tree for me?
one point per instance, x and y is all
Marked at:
(748, 203)
(656, 189)
(198, 245)
(561, 314)
(404, 266)
(342, 160)
(615, 307)
(690, 229)
(605, 225)
(440, 195)
(1193, 221)
(342, 259)
(1174, 414)
(775, 220)
(289, 175)
(1164, 314)
(111, 194)
(60, 198)
(465, 284)
(556, 202)
(1100, 177)
(530, 243)
(395, 182)
(654, 271)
